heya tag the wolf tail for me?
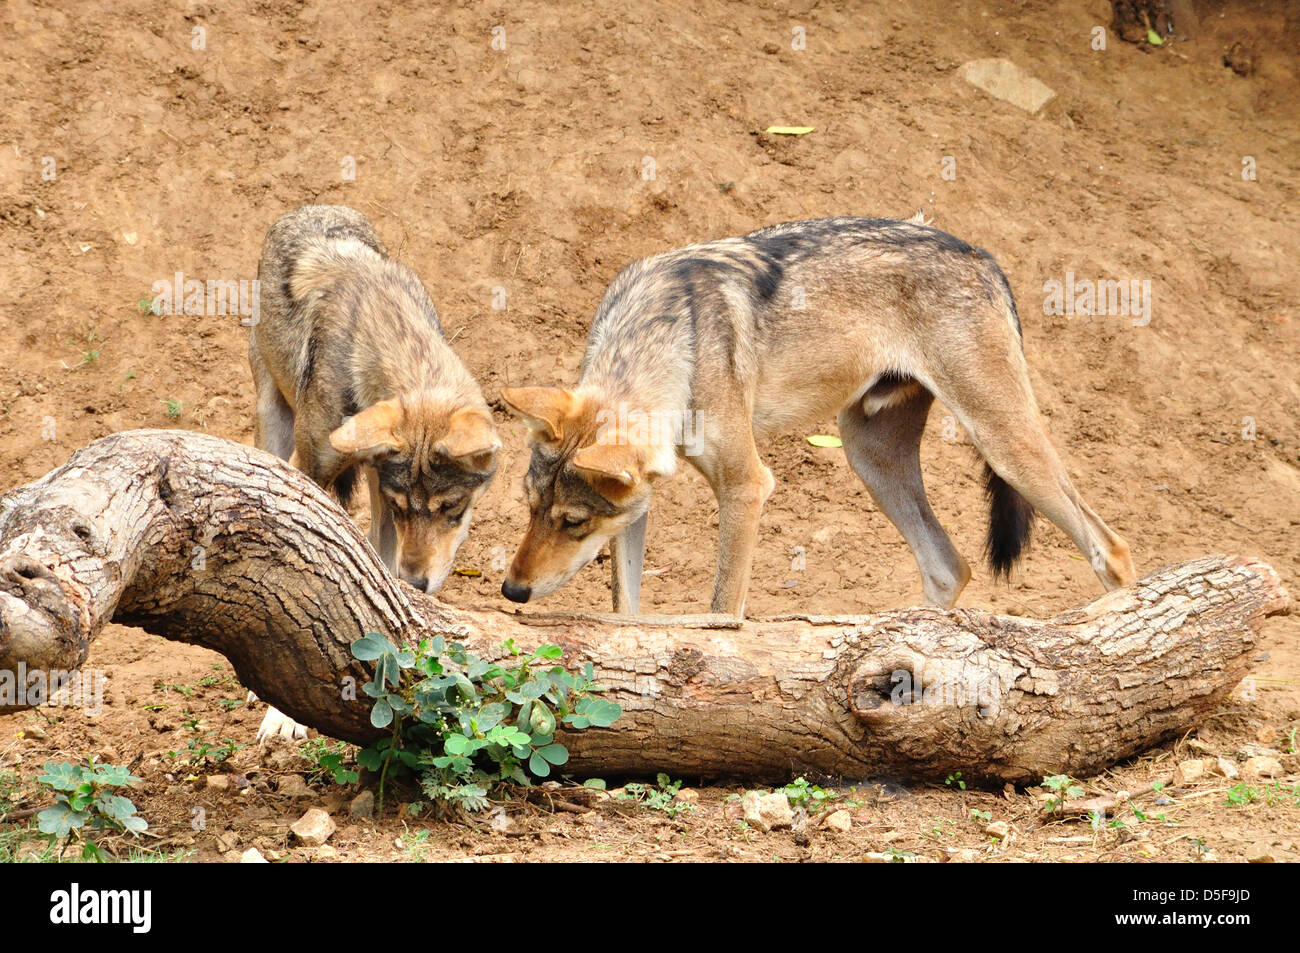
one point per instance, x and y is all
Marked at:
(1011, 519)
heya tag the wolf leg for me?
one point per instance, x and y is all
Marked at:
(628, 552)
(383, 534)
(992, 399)
(273, 419)
(742, 485)
(884, 450)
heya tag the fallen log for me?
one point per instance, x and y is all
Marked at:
(213, 543)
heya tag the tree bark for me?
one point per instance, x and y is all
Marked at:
(213, 543)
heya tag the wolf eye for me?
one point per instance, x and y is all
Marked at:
(572, 522)
(452, 509)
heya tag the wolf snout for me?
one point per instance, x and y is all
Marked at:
(515, 592)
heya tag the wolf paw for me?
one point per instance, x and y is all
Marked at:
(277, 724)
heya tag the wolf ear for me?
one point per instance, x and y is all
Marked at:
(471, 440)
(543, 409)
(619, 462)
(369, 434)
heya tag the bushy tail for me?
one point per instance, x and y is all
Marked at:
(1010, 520)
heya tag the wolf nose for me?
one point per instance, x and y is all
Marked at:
(515, 592)
(419, 582)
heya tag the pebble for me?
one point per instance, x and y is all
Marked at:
(840, 821)
(314, 828)
(363, 805)
(1264, 766)
(767, 811)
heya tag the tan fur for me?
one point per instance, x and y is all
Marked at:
(867, 319)
(352, 372)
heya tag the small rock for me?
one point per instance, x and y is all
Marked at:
(999, 829)
(1226, 768)
(293, 785)
(218, 782)
(314, 828)
(363, 805)
(961, 855)
(1263, 766)
(1260, 853)
(252, 856)
(35, 732)
(688, 795)
(1188, 772)
(767, 811)
(1006, 81)
(1199, 746)
(325, 853)
(841, 821)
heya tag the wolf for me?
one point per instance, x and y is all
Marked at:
(865, 318)
(353, 374)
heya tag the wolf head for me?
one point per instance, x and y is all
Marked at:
(586, 481)
(434, 463)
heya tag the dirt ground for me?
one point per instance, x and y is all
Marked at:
(526, 169)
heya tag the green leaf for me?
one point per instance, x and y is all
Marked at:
(371, 646)
(59, 820)
(60, 776)
(381, 716)
(597, 783)
(825, 440)
(538, 765)
(1154, 38)
(548, 652)
(556, 754)
(601, 712)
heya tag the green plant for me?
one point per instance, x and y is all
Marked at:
(662, 796)
(174, 408)
(808, 796)
(1241, 795)
(1062, 786)
(203, 749)
(86, 795)
(469, 726)
(984, 816)
(147, 306)
(955, 778)
(1277, 792)
(328, 757)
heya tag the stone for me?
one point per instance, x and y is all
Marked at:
(1226, 768)
(252, 856)
(961, 855)
(999, 829)
(293, 785)
(1004, 80)
(314, 828)
(1260, 853)
(363, 805)
(1188, 772)
(688, 796)
(1263, 766)
(767, 811)
(841, 821)
(217, 782)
